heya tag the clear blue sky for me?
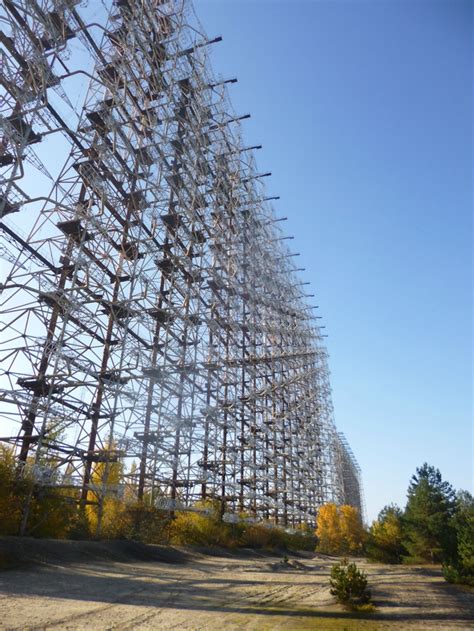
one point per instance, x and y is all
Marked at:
(364, 110)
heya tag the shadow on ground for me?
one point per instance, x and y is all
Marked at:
(127, 573)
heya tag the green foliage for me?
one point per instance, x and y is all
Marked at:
(144, 523)
(437, 525)
(114, 512)
(429, 536)
(51, 511)
(205, 528)
(456, 574)
(303, 538)
(12, 492)
(460, 566)
(349, 584)
(268, 536)
(385, 541)
(264, 536)
(80, 527)
(463, 523)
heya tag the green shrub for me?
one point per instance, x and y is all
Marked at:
(263, 536)
(12, 493)
(202, 528)
(302, 539)
(459, 575)
(459, 562)
(349, 584)
(144, 523)
(80, 527)
(53, 513)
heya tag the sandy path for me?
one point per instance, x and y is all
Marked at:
(222, 593)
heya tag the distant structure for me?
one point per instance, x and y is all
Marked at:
(151, 311)
(351, 476)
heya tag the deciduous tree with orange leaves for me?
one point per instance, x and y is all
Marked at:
(339, 530)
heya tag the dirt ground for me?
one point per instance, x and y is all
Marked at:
(86, 585)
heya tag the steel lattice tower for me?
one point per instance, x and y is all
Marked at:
(150, 309)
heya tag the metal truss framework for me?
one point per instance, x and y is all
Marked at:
(150, 310)
(351, 476)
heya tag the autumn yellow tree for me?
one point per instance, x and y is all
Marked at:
(104, 505)
(328, 529)
(351, 529)
(386, 536)
(202, 526)
(339, 530)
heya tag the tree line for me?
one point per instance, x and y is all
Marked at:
(436, 526)
(112, 510)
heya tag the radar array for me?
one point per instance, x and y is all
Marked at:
(151, 311)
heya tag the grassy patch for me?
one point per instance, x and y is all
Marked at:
(364, 608)
(270, 618)
(7, 560)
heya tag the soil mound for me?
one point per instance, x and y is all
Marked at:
(16, 551)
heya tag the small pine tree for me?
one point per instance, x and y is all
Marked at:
(349, 584)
